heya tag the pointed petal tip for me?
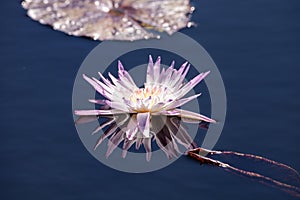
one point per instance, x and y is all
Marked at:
(124, 152)
(197, 95)
(120, 66)
(184, 64)
(85, 76)
(158, 59)
(100, 74)
(93, 133)
(97, 101)
(150, 59)
(95, 147)
(148, 156)
(208, 72)
(172, 64)
(213, 121)
(77, 112)
(210, 120)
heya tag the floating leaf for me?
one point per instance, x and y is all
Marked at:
(112, 19)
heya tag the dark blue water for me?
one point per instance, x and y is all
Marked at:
(256, 47)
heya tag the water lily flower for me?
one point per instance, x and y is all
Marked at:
(162, 94)
(138, 115)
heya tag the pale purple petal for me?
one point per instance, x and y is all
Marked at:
(156, 69)
(138, 143)
(97, 87)
(121, 118)
(107, 133)
(173, 112)
(125, 76)
(175, 147)
(131, 133)
(103, 125)
(169, 72)
(143, 122)
(122, 84)
(185, 114)
(108, 89)
(132, 129)
(181, 102)
(113, 142)
(106, 81)
(98, 101)
(149, 77)
(120, 68)
(113, 79)
(162, 75)
(190, 85)
(182, 77)
(147, 145)
(171, 149)
(98, 112)
(127, 82)
(191, 121)
(118, 105)
(163, 148)
(193, 115)
(178, 132)
(126, 145)
(130, 80)
(176, 77)
(119, 121)
(105, 107)
(158, 106)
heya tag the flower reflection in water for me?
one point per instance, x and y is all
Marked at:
(166, 132)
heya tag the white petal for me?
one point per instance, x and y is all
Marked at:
(97, 87)
(118, 105)
(190, 85)
(149, 76)
(181, 102)
(156, 70)
(98, 101)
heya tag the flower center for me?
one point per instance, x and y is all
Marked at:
(145, 93)
(144, 99)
